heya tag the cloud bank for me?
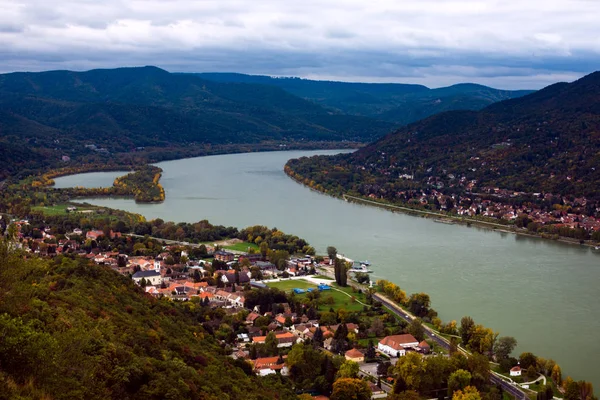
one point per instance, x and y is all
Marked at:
(503, 43)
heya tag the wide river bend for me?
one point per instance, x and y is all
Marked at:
(543, 293)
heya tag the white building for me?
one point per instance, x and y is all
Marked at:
(152, 277)
(396, 345)
(515, 371)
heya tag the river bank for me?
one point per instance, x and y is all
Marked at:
(443, 217)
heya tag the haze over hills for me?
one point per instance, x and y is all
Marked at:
(399, 103)
(546, 141)
(48, 114)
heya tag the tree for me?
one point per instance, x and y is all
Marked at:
(370, 353)
(469, 393)
(318, 337)
(383, 368)
(527, 359)
(479, 366)
(377, 326)
(557, 375)
(549, 391)
(405, 395)
(504, 346)
(306, 364)
(415, 328)
(271, 344)
(264, 249)
(532, 372)
(411, 370)
(481, 339)
(143, 282)
(351, 389)
(466, 324)
(458, 380)
(349, 369)
(331, 252)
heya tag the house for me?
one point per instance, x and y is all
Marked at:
(270, 365)
(225, 256)
(396, 345)
(377, 392)
(354, 355)
(229, 278)
(286, 339)
(152, 277)
(251, 317)
(424, 347)
(515, 371)
(94, 235)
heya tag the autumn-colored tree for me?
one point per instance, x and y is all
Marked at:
(557, 375)
(469, 393)
(458, 380)
(350, 389)
(411, 370)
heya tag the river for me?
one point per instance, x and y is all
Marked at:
(541, 292)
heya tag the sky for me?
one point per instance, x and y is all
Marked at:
(510, 44)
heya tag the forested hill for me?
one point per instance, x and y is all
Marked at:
(399, 103)
(51, 113)
(545, 141)
(70, 329)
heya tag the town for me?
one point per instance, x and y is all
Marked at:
(277, 312)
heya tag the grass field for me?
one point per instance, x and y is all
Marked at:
(340, 300)
(59, 209)
(288, 285)
(241, 246)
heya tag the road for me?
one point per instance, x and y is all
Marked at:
(507, 387)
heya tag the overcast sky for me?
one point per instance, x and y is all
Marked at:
(502, 43)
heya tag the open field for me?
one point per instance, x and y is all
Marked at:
(59, 209)
(244, 246)
(340, 300)
(289, 285)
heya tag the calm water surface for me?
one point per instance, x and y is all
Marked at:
(543, 293)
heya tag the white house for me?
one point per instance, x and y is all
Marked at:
(396, 345)
(152, 277)
(515, 371)
(270, 365)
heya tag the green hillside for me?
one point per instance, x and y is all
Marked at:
(398, 103)
(58, 112)
(548, 141)
(70, 329)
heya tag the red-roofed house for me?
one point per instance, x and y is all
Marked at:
(270, 365)
(515, 371)
(354, 355)
(396, 345)
(286, 339)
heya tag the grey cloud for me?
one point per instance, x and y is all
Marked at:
(511, 44)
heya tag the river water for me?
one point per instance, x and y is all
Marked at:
(543, 293)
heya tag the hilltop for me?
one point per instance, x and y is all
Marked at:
(394, 102)
(47, 115)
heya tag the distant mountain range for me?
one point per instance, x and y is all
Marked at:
(546, 141)
(47, 114)
(398, 103)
